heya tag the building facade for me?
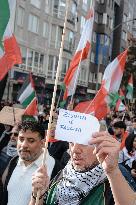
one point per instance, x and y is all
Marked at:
(113, 31)
(38, 28)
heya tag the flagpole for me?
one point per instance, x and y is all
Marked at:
(54, 92)
(78, 69)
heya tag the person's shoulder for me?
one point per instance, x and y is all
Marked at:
(9, 169)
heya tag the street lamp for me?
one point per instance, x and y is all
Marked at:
(100, 54)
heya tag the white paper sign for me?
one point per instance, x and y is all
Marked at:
(76, 127)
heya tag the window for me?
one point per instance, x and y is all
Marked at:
(36, 59)
(112, 4)
(105, 18)
(100, 18)
(50, 64)
(40, 66)
(83, 74)
(59, 8)
(36, 3)
(69, 40)
(24, 54)
(45, 29)
(33, 23)
(74, 8)
(24, 57)
(94, 77)
(92, 57)
(94, 37)
(65, 65)
(85, 6)
(90, 77)
(47, 6)
(53, 36)
(59, 36)
(111, 23)
(108, 20)
(30, 59)
(96, 17)
(20, 16)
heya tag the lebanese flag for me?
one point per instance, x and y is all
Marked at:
(110, 84)
(130, 88)
(70, 80)
(27, 97)
(9, 49)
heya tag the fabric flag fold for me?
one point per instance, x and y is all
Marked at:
(9, 49)
(112, 77)
(81, 53)
(27, 97)
(119, 104)
(129, 94)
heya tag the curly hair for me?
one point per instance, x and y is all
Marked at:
(33, 126)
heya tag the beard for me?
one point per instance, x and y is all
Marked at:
(27, 156)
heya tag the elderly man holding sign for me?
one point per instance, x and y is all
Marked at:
(83, 180)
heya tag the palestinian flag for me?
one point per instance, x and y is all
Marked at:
(129, 94)
(9, 49)
(112, 77)
(27, 97)
(119, 104)
(71, 77)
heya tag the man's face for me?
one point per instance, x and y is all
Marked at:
(134, 144)
(117, 131)
(29, 145)
(134, 125)
(82, 156)
(14, 134)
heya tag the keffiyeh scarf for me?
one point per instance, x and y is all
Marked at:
(74, 185)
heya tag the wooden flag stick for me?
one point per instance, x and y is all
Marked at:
(56, 83)
(54, 92)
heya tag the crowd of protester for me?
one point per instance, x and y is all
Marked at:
(73, 174)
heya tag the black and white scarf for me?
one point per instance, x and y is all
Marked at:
(74, 185)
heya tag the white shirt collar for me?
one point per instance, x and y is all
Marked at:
(50, 162)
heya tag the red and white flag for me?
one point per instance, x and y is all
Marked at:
(81, 53)
(110, 84)
(9, 49)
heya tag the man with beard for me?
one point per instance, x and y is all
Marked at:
(120, 132)
(17, 187)
(82, 181)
